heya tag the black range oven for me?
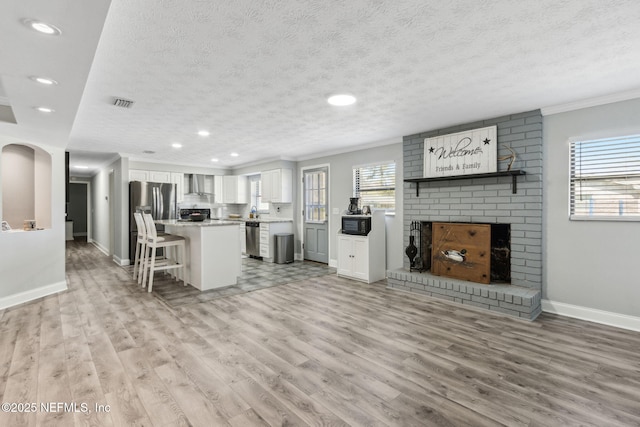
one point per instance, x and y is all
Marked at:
(185, 214)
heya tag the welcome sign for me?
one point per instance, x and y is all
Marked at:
(463, 153)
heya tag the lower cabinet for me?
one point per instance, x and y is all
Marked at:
(364, 257)
(353, 257)
(267, 237)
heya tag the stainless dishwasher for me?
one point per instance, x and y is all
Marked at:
(253, 238)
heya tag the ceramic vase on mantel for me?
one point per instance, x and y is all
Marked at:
(411, 250)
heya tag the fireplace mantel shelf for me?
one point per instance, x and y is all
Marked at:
(513, 174)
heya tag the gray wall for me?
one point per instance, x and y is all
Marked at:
(487, 200)
(110, 213)
(341, 188)
(590, 264)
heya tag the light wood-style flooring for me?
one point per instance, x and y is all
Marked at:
(321, 351)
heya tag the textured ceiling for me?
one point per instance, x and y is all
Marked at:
(256, 74)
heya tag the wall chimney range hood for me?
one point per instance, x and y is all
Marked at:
(196, 184)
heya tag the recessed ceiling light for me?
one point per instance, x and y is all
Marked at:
(234, 154)
(204, 133)
(341, 100)
(45, 109)
(214, 160)
(82, 167)
(176, 145)
(44, 80)
(43, 27)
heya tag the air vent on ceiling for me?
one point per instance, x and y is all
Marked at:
(121, 102)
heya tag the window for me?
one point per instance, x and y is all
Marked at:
(256, 194)
(315, 195)
(605, 179)
(375, 185)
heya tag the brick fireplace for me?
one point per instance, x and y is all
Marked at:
(483, 201)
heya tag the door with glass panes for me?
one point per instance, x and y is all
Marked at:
(315, 227)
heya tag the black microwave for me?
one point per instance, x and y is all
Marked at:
(358, 225)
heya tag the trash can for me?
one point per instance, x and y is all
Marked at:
(283, 248)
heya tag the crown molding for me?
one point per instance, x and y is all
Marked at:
(591, 102)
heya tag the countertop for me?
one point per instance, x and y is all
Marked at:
(266, 220)
(205, 223)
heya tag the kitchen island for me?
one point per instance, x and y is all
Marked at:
(214, 258)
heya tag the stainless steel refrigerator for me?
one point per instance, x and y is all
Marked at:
(156, 198)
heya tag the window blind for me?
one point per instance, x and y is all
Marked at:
(375, 185)
(605, 179)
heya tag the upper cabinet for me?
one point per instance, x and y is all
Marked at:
(177, 178)
(235, 189)
(160, 176)
(218, 189)
(138, 175)
(150, 176)
(277, 185)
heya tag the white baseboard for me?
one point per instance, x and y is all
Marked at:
(32, 294)
(121, 262)
(592, 315)
(100, 247)
(333, 263)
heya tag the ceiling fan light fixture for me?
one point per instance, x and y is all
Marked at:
(341, 100)
(42, 27)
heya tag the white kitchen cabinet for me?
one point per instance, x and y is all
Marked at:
(235, 189)
(353, 255)
(277, 185)
(138, 175)
(243, 239)
(209, 181)
(218, 189)
(149, 176)
(267, 237)
(160, 176)
(363, 257)
(177, 178)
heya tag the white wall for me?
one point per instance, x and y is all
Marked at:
(32, 264)
(341, 189)
(590, 264)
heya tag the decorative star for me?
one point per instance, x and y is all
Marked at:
(431, 149)
(486, 141)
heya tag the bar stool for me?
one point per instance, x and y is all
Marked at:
(141, 247)
(150, 264)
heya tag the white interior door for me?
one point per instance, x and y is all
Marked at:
(315, 227)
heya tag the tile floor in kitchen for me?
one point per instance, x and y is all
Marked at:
(256, 274)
